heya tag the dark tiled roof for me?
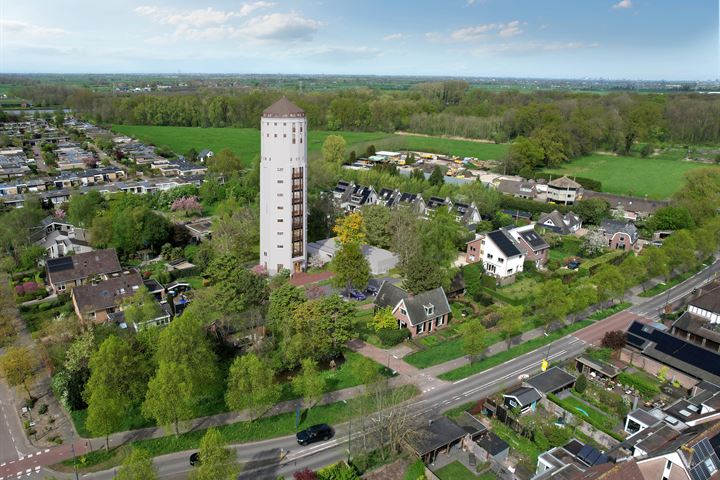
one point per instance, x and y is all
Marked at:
(283, 108)
(83, 265)
(551, 381)
(612, 227)
(535, 241)
(525, 395)
(390, 295)
(437, 434)
(564, 182)
(700, 326)
(504, 242)
(106, 294)
(492, 444)
(630, 204)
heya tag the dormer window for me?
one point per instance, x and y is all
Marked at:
(429, 309)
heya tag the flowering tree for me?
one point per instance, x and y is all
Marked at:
(189, 205)
(59, 213)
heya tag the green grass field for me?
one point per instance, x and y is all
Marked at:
(246, 141)
(242, 141)
(657, 177)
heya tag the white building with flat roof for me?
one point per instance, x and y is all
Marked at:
(283, 188)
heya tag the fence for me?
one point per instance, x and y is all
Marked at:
(597, 435)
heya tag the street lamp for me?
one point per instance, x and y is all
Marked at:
(72, 446)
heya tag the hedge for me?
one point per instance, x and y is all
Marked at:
(392, 336)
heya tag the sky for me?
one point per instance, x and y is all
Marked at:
(611, 39)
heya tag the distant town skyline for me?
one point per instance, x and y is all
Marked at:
(609, 39)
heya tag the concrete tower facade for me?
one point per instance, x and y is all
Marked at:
(283, 188)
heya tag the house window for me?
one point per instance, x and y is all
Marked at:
(61, 287)
(279, 246)
(403, 311)
(489, 256)
(281, 207)
(710, 465)
(501, 260)
(420, 328)
(439, 321)
(279, 233)
(281, 181)
(280, 220)
(279, 169)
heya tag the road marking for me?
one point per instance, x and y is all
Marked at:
(29, 455)
(460, 381)
(37, 469)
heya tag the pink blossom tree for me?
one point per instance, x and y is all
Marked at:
(188, 205)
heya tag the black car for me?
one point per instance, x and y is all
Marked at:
(316, 433)
(195, 459)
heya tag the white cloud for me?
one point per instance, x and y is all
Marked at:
(281, 27)
(511, 29)
(23, 29)
(478, 32)
(394, 36)
(623, 4)
(199, 17)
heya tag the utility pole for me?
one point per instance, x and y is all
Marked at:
(72, 446)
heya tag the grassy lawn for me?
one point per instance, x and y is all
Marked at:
(35, 319)
(524, 446)
(587, 412)
(443, 351)
(242, 141)
(516, 351)
(241, 432)
(647, 385)
(633, 175)
(570, 247)
(455, 471)
(415, 470)
(521, 289)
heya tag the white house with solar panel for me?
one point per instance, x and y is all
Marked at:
(501, 255)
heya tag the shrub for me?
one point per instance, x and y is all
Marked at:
(305, 474)
(581, 384)
(392, 336)
(614, 340)
(43, 409)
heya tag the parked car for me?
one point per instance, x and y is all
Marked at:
(573, 265)
(316, 433)
(195, 459)
(354, 294)
(372, 289)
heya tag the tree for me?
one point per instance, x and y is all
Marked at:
(384, 318)
(656, 262)
(633, 269)
(552, 301)
(17, 366)
(581, 383)
(377, 225)
(309, 384)
(318, 329)
(172, 395)
(593, 210)
(593, 243)
(236, 230)
(405, 242)
(217, 461)
(671, 218)
(333, 149)
(82, 209)
(118, 379)
(251, 385)
(422, 273)
(441, 236)
(615, 339)
(225, 163)
(609, 282)
(282, 304)
(706, 242)
(137, 466)
(437, 177)
(187, 205)
(582, 297)
(350, 228)
(680, 250)
(367, 371)
(351, 267)
(474, 338)
(510, 322)
(305, 474)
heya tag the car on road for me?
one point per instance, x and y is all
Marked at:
(316, 433)
(195, 459)
(354, 294)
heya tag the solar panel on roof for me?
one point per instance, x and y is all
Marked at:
(635, 341)
(504, 243)
(60, 264)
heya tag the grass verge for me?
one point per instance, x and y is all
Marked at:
(240, 432)
(661, 287)
(502, 357)
(602, 314)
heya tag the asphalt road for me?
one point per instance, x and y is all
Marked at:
(282, 456)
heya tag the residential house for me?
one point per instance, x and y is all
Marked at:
(569, 461)
(700, 323)
(630, 208)
(387, 197)
(563, 191)
(95, 301)
(65, 273)
(350, 196)
(413, 201)
(533, 246)
(555, 221)
(434, 203)
(60, 243)
(501, 255)
(420, 314)
(200, 229)
(467, 214)
(518, 188)
(524, 399)
(205, 155)
(619, 234)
